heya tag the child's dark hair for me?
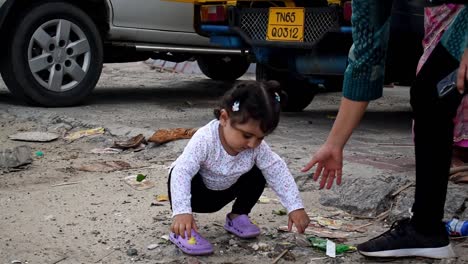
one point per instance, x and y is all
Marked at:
(260, 101)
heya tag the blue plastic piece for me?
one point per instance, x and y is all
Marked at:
(216, 29)
(346, 29)
(227, 41)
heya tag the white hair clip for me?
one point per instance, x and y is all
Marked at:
(277, 97)
(235, 106)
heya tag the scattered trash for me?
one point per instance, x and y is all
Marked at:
(133, 143)
(140, 177)
(152, 246)
(165, 237)
(457, 228)
(334, 224)
(132, 252)
(260, 246)
(34, 136)
(106, 151)
(144, 184)
(84, 133)
(280, 212)
(162, 198)
(329, 223)
(162, 136)
(319, 231)
(39, 154)
(280, 256)
(265, 200)
(15, 157)
(323, 244)
(331, 249)
(104, 166)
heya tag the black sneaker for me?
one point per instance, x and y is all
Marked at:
(402, 240)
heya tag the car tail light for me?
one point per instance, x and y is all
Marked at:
(347, 11)
(213, 13)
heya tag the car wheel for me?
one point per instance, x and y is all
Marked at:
(299, 92)
(223, 67)
(334, 83)
(54, 57)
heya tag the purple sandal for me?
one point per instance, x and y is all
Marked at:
(195, 246)
(242, 227)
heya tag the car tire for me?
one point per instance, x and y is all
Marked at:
(223, 67)
(300, 93)
(54, 57)
(334, 84)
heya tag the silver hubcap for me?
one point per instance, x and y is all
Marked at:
(59, 55)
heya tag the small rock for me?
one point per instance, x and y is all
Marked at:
(60, 128)
(16, 262)
(132, 252)
(50, 218)
(255, 247)
(301, 241)
(193, 260)
(152, 246)
(260, 246)
(15, 157)
(232, 242)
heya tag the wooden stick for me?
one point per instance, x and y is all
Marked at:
(59, 260)
(280, 256)
(456, 238)
(458, 169)
(105, 256)
(404, 187)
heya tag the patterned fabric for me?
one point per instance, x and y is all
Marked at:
(205, 154)
(460, 130)
(436, 21)
(364, 76)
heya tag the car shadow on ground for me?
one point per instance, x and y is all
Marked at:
(206, 93)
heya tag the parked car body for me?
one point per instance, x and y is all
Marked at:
(304, 44)
(52, 52)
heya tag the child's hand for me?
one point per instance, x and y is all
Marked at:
(300, 219)
(182, 223)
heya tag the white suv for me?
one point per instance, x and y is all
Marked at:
(52, 51)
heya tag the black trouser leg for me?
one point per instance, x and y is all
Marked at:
(246, 191)
(433, 128)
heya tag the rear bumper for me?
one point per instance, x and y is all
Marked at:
(250, 26)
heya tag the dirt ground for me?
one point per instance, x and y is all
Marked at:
(52, 212)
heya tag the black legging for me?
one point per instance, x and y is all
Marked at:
(245, 191)
(433, 129)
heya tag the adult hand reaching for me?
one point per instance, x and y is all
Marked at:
(329, 161)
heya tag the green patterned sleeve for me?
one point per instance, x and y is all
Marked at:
(364, 76)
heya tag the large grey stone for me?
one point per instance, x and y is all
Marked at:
(15, 157)
(455, 203)
(364, 196)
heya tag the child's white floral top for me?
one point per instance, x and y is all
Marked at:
(205, 154)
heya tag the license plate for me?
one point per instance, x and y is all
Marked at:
(286, 24)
